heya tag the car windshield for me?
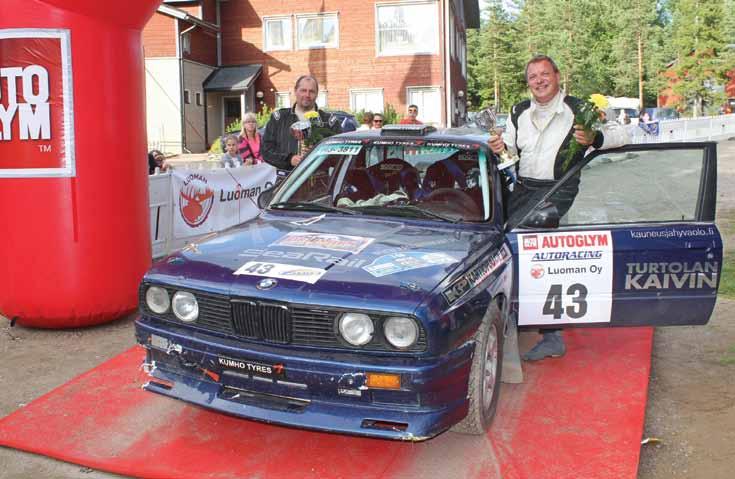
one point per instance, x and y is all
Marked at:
(386, 177)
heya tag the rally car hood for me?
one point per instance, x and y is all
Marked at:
(328, 259)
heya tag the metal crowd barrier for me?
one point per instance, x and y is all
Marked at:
(707, 128)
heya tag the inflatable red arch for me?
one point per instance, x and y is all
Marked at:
(74, 241)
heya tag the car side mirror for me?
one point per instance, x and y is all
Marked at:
(546, 216)
(266, 196)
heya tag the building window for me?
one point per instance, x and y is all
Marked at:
(198, 97)
(407, 29)
(368, 99)
(187, 97)
(429, 101)
(321, 99)
(317, 31)
(186, 43)
(283, 100)
(277, 31)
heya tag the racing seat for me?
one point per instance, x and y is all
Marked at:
(358, 186)
(395, 174)
(443, 174)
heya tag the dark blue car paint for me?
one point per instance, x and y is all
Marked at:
(433, 394)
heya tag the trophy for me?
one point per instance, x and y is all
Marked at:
(301, 130)
(487, 119)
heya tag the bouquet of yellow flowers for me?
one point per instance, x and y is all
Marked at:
(318, 130)
(588, 115)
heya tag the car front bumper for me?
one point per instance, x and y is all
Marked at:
(317, 389)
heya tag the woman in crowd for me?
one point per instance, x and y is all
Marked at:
(250, 140)
(366, 122)
(156, 160)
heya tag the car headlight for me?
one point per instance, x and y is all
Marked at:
(157, 299)
(185, 306)
(401, 332)
(356, 328)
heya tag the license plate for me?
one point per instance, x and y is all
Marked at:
(250, 367)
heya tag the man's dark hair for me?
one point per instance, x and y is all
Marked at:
(306, 77)
(539, 59)
(414, 106)
(375, 115)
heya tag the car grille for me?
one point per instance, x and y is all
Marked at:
(280, 323)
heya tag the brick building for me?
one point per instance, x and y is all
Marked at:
(225, 57)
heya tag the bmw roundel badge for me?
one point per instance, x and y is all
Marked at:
(266, 283)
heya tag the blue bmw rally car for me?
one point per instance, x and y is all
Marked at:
(378, 289)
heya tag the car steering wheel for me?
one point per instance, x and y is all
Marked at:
(457, 198)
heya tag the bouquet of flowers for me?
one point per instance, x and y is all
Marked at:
(310, 131)
(588, 115)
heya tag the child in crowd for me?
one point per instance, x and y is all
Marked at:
(231, 158)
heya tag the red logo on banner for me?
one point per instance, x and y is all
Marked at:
(195, 200)
(530, 242)
(34, 96)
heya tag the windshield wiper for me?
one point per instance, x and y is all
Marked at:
(306, 205)
(412, 209)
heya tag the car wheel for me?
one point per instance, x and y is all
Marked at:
(483, 387)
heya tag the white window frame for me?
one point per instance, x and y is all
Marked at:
(281, 94)
(422, 107)
(307, 16)
(322, 94)
(433, 51)
(198, 98)
(354, 91)
(288, 34)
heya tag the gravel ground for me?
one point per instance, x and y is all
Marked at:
(691, 407)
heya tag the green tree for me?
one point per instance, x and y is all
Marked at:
(700, 42)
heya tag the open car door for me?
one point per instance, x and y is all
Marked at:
(638, 246)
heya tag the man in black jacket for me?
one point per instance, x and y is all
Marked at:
(280, 146)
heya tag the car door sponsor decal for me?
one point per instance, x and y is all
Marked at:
(475, 276)
(332, 242)
(565, 278)
(674, 275)
(304, 274)
(399, 262)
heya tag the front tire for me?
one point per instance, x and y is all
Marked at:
(483, 387)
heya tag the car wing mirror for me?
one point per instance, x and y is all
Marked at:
(266, 196)
(546, 216)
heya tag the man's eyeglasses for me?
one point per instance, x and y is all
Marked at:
(377, 121)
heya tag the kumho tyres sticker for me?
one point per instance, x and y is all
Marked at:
(565, 278)
(474, 277)
(398, 262)
(331, 242)
(304, 274)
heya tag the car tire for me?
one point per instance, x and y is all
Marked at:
(483, 387)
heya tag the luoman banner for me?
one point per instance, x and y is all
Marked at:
(213, 200)
(36, 104)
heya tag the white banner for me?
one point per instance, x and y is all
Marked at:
(212, 200)
(565, 278)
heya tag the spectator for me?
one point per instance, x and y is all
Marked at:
(366, 122)
(280, 146)
(378, 121)
(231, 157)
(156, 160)
(250, 140)
(411, 119)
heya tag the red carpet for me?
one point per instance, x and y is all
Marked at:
(579, 416)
